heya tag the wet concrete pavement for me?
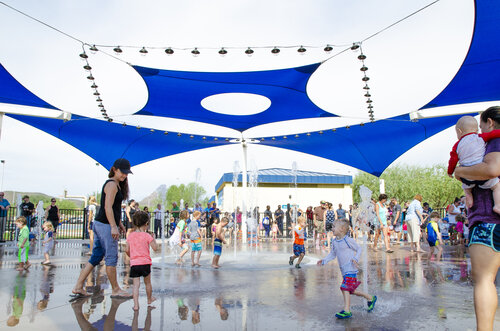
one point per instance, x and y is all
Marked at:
(255, 289)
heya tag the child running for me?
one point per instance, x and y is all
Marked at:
(23, 243)
(138, 243)
(218, 241)
(348, 252)
(179, 236)
(195, 236)
(48, 243)
(434, 236)
(298, 244)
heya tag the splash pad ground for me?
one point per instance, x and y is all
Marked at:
(255, 289)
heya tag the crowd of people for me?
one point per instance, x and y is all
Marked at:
(470, 220)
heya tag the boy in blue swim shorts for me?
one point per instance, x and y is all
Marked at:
(218, 241)
(298, 244)
(348, 252)
(195, 237)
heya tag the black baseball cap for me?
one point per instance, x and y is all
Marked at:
(123, 165)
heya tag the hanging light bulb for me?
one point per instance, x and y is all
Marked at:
(321, 132)
(103, 111)
(179, 134)
(366, 87)
(364, 68)
(365, 79)
(100, 105)
(110, 120)
(362, 57)
(124, 124)
(90, 77)
(301, 50)
(169, 51)
(369, 101)
(273, 138)
(98, 99)
(370, 106)
(87, 67)
(275, 51)
(361, 124)
(354, 47)
(97, 93)
(334, 130)
(84, 56)
(165, 133)
(204, 138)
(296, 136)
(249, 51)
(222, 51)
(328, 48)
(368, 95)
(347, 127)
(261, 139)
(227, 139)
(215, 138)
(93, 86)
(152, 130)
(118, 50)
(285, 137)
(93, 49)
(191, 136)
(138, 127)
(143, 51)
(308, 134)
(195, 51)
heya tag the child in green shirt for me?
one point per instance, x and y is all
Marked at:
(23, 243)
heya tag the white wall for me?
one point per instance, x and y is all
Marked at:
(274, 196)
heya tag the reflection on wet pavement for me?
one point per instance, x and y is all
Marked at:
(255, 289)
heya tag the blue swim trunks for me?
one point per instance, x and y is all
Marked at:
(487, 234)
(298, 249)
(217, 247)
(195, 247)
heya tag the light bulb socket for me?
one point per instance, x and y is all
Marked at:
(354, 47)
(368, 95)
(98, 99)
(222, 51)
(84, 56)
(195, 51)
(94, 86)
(275, 50)
(366, 87)
(117, 49)
(169, 51)
(301, 49)
(328, 48)
(143, 51)
(362, 57)
(97, 93)
(87, 67)
(363, 68)
(365, 79)
(93, 48)
(249, 51)
(90, 77)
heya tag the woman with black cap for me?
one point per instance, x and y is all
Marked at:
(107, 227)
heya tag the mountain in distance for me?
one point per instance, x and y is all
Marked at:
(159, 193)
(35, 197)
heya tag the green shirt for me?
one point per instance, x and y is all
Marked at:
(175, 212)
(24, 234)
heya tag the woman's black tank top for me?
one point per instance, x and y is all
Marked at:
(53, 214)
(117, 204)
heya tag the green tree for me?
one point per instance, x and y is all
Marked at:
(404, 182)
(185, 192)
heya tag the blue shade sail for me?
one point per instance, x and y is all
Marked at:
(178, 94)
(371, 147)
(12, 92)
(478, 79)
(105, 142)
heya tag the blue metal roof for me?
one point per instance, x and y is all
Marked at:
(285, 176)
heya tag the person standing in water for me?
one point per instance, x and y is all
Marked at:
(107, 228)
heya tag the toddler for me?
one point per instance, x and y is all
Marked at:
(434, 236)
(348, 252)
(469, 150)
(275, 230)
(48, 243)
(138, 243)
(298, 244)
(23, 243)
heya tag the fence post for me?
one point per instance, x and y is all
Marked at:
(84, 222)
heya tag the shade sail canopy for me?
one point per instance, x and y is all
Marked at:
(180, 94)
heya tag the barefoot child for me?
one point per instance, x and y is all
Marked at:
(434, 236)
(195, 236)
(23, 243)
(274, 231)
(298, 244)
(48, 243)
(348, 252)
(218, 241)
(138, 243)
(469, 150)
(179, 236)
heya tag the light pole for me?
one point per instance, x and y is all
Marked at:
(3, 170)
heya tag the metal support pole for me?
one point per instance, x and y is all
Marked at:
(244, 191)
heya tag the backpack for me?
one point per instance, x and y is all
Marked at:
(431, 234)
(265, 220)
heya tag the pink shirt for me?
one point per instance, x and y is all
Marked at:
(139, 248)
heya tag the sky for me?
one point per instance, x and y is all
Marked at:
(408, 64)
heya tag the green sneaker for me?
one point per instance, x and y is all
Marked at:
(343, 314)
(371, 304)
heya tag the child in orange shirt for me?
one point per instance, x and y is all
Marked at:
(298, 244)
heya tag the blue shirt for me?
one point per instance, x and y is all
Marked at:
(5, 203)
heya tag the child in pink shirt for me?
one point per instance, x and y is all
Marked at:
(138, 243)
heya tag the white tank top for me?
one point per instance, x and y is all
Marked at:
(451, 218)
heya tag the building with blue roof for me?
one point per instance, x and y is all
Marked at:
(276, 186)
